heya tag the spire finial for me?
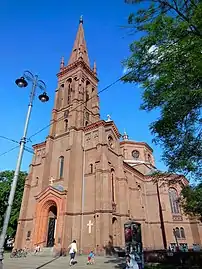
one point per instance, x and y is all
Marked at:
(125, 136)
(62, 63)
(108, 118)
(81, 19)
(94, 68)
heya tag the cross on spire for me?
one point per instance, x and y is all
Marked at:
(125, 135)
(81, 19)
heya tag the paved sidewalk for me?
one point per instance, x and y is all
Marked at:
(37, 262)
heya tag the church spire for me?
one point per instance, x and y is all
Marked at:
(94, 68)
(62, 63)
(79, 49)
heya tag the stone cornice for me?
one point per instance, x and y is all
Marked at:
(168, 177)
(136, 143)
(39, 145)
(103, 123)
(102, 211)
(78, 63)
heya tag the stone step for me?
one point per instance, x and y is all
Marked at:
(46, 252)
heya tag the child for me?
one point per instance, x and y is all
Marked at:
(91, 257)
(72, 252)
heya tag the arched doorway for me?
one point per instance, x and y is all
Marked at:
(52, 219)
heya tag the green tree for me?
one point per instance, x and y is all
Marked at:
(5, 186)
(191, 200)
(167, 62)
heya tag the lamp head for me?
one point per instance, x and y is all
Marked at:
(21, 82)
(43, 97)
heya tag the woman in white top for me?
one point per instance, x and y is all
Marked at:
(72, 251)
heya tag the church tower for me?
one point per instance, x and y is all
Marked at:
(70, 190)
(76, 99)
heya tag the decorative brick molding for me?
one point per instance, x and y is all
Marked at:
(177, 218)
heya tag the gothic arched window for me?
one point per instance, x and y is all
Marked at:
(177, 232)
(182, 233)
(113, 184)
(69, 89)
(61, 166)
(69, 94)
(66, 125)
(173, 196)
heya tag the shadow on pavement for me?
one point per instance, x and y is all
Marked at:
(118, 262)
(41, 266)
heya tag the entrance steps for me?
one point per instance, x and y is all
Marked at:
(46, 252)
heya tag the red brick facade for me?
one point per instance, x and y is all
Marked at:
(88, 180)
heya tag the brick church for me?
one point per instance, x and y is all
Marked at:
(86, 180)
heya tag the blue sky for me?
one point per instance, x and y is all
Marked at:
(34, 36)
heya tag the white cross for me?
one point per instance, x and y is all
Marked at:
(108, 118)
(89, 226)
(51, 181)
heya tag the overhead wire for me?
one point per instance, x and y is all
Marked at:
(4, 153)
(61, 118)
(28, 149)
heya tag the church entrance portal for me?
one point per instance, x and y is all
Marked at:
(52, 219)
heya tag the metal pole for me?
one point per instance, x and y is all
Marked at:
(17, 170)
(161, 218)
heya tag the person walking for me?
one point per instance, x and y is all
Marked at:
(72, 252)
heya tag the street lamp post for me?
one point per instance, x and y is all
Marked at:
(21, 82)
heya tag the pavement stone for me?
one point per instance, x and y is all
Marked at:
(38, 262)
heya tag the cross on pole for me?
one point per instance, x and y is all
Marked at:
(90, 224)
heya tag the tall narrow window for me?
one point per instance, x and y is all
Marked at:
(173, 196)
(91, 168)
(66, 125)
(182, 233)
(113, 185)
(28, 235)
(61, 166)
(69, 94)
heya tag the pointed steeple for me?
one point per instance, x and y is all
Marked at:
(95, 68)
(79, 49)
(62, 63)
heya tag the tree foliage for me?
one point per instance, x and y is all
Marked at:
(191, 201)
(167, 62)
(5, 186)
